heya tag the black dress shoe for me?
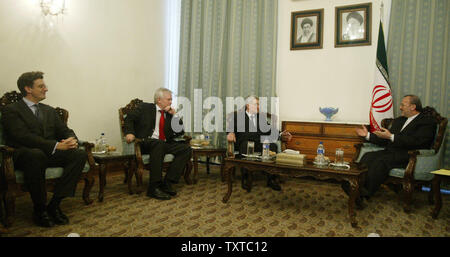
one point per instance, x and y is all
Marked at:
(42, 219)
(58, 216)
(273, 184)
(158, 194)
(166, 187)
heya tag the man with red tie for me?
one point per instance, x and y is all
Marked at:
(152, 122)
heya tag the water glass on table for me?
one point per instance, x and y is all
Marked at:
(339, 156)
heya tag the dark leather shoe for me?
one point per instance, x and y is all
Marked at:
(166, 187)
(273, 184)
(158, 194)
(43, 219)
(58, 216)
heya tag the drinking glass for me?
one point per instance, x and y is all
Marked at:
(339, 156)
(250, 148)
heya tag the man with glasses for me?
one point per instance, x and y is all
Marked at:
(413, 130)
(42, 140)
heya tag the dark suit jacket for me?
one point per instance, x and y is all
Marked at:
(247, 132)
(418, 134)
(141, 122)
(23, 129)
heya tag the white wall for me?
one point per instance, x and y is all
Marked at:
(337, 77)
(100, 56)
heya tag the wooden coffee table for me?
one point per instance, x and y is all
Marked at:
(104, 159)
(208, 152)
(354, 176)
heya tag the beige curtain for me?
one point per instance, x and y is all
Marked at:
(227, 49)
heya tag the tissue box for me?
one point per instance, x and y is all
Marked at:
(291, 159)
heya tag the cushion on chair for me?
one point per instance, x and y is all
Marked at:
(50, 173)
(368, 147)
(167, 158)
(129, 149)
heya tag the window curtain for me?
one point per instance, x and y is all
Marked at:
(227, 49)
(418, 55)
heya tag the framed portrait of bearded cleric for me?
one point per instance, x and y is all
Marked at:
(353, 25)
(307, 29)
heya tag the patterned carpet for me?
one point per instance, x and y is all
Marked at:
(304, 208)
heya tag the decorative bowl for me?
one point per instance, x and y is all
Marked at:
(328, 112)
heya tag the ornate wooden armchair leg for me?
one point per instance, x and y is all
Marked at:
(140, 184)
(10, 207)
(11, 188)
(89, 176)
(2, 228)
(407, 194)
(88, 183)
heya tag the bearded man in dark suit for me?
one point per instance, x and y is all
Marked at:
(158, 125)
(42, 140)
(413, 130)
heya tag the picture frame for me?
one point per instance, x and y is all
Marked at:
(307, 29)
(353, 26)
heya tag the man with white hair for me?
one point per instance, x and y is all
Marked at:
(152, 122)
(247, 126)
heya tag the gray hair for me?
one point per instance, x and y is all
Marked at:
(160, 93)
(250, 98)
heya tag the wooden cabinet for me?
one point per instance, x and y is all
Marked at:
(307, 135)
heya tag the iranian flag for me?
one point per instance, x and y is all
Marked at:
(381, 106)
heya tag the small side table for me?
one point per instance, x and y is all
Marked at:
(208, 152)
(436, 187)
(104, 159)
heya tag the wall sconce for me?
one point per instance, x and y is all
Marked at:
(53, 7)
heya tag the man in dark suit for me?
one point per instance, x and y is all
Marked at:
(413, 130)
(42, 140)
(158, 125)
(247, 127)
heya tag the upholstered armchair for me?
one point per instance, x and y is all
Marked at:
(11, 179)
(143, 160)
(421, 161)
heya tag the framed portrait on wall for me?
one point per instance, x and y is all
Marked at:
(307, 29)
(353, 25)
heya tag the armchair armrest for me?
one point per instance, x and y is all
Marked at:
(87, 146)
(137, 152)
(426, 152)
(363, 148)
(423, 160)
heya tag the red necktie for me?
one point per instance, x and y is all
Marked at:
(161, 126)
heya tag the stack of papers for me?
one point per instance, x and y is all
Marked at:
(290, 151)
